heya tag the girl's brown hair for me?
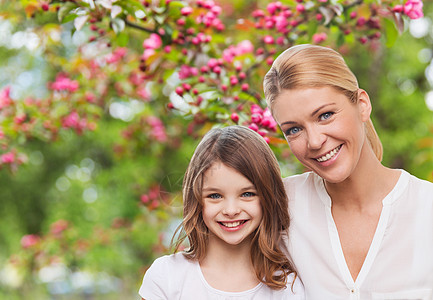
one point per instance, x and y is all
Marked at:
(306, 66)
(246, 151)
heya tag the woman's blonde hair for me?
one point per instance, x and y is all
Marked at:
(245, 151)
(306, 66)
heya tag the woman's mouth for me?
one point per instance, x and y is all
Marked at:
(329, 155)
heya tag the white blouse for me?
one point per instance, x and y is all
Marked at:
(173, 277)
(399, 263)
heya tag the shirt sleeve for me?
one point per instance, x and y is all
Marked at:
(155, 282)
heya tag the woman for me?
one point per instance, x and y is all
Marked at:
(359, 230)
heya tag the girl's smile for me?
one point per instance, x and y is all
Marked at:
(231, 206)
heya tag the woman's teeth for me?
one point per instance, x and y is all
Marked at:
(329, 155)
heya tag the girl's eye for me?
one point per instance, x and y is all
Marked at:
(292, 131)
(248, 194)
(214, 196)
(326, 116)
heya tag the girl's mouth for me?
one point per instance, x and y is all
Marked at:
(232, 224)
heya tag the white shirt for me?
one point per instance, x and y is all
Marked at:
(173, 277)
(399, 263)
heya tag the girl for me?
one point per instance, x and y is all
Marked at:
(235, 213)
(359, 230)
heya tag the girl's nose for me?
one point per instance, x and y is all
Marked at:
(231, 207)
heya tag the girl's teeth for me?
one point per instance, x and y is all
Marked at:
(232, 224)
(329, 155)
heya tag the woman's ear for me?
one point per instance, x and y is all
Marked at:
(364, 105)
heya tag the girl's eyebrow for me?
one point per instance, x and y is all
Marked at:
(214, 189)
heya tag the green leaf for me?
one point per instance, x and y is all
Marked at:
(122, 39)
(69, 18)
(118, 25)
(391, 32)
(340, 39)
(312, 29)
(65, 10)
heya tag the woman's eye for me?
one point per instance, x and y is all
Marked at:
(326, 116)
(248, 194)
(214, 196)
(292, 131)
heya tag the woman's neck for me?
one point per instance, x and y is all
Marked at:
(368, 184)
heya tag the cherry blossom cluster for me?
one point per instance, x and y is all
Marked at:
(153, 198)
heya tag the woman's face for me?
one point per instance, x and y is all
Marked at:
(324, 130)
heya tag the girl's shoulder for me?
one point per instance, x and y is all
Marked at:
(164, 277)
(177, 260)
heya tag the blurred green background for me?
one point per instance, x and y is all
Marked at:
(97, 207)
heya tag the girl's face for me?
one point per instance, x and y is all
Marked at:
(231, 207)
(324, 130)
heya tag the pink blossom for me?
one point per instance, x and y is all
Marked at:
(158, 130)
(58, 227)
(258, 13)
(29, 240)
(5, 99)
(398, 8)
(116, 56)
(245, 46)
(20, 118)
(253, 126)
(7, 158)
(268, 39)
(212, 63)
(245, 87)
(353, 15)
(63, 83)
(185, 11)
(361, 21)
(413, 9)
(256, 118)
(234, 117)
(144, 199)
(319, 37)
(272, 7)
(216, 10)
(256, 109)
(2, 135)
(268, 121)
(300, 8)
(144, 93)
(74, 121)
(153, 42)
(148, 53)
(280, 23)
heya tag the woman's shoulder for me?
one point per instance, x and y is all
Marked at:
(300, 178)
(295, 286)
(418, 186)
(299, 182)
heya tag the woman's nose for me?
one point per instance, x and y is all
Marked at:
(316, 138)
